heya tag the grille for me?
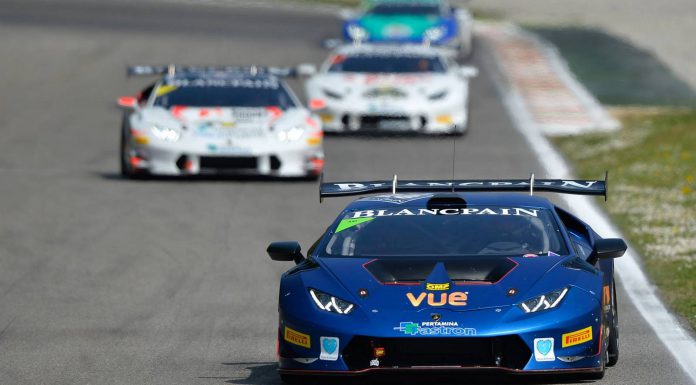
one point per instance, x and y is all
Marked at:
(384, 122)
(507, 352)
(228, 163)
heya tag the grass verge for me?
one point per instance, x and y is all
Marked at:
(652, 163)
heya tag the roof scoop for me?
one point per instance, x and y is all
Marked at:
(446, 200)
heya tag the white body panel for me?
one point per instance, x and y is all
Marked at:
(226, 140)
(427, 102)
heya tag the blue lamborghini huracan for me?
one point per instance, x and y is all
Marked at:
(450, 276)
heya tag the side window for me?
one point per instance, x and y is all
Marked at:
(144, 95)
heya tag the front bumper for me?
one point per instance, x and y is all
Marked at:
(342, 119)
(513, 345)
(179, 159)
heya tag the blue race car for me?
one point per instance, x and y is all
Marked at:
(441, 276)
(433, 22)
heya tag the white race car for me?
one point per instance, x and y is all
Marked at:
(404, 88)
(218, 120)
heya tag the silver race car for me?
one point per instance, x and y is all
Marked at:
(397, 88)
(218, 120)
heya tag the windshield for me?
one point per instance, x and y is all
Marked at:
(223, 93)
(386, 64)
(470, 231)
(405, 9)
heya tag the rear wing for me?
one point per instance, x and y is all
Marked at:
(172, 69)
(394, 186)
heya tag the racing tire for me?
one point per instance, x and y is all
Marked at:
(613, 349)
(126, 170)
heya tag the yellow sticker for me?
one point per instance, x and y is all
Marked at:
(165, 89)
(577, 337)
(297, 338)
(437, 286)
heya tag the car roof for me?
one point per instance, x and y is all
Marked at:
(473, 199)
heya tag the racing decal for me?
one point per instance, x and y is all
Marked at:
(577, 337)
(437, 286)
(456, 298)
(348, 223)
(329, 348)
(296, 338)
(514, 211)
(434, 329)
(543, 349)
(165, 89)
(396, 198)
(606, 299)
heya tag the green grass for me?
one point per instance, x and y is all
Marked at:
(652, 193)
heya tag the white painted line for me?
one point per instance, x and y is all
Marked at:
(598, 113)
(640, 291)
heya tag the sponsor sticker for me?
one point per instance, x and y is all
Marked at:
(348, 223)
(296, 338)
(456, 298)
(543, 349)
(513, 211)
(577, 337)
(329, 348)
(437, 286)
(606, 299)
(434, 328)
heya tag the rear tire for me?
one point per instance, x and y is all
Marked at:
(613, 349)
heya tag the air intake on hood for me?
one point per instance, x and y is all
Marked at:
(466, 269)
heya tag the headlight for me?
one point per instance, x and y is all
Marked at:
(438, 95)
(357, 32)
(331, 94)
(330, 303)
(543, 302)
(290, 135)
(166, 133)
(435, 33)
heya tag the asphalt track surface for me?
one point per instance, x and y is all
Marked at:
(109, 281)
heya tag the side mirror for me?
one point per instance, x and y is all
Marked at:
(127, 102)
(607, 249)
(306, 69)
(285, 251)
(468, 71)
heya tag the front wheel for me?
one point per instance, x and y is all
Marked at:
(126, 168)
